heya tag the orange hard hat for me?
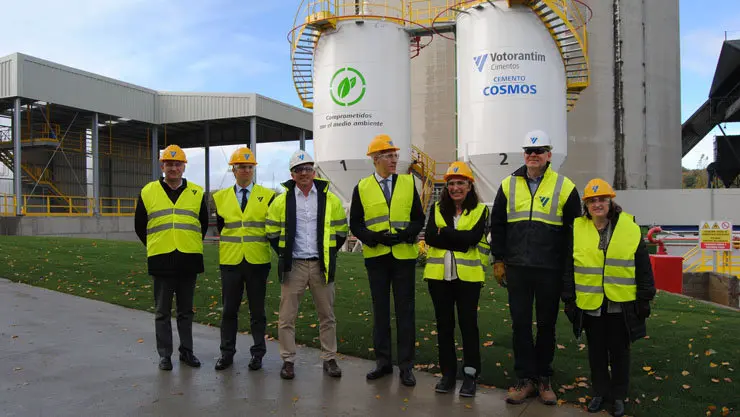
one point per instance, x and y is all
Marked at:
(598, 188)
(173, 153)
(459, 168)
(381, 143)
(243, 155)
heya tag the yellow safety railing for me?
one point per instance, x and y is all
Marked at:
(56, 206)
(699, 260)
(7, 205)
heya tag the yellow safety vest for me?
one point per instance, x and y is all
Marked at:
(470, 263)
(335, 221)
(596, 274)
(547, 203)
(379, 217)
(170, 226)
(243, 235)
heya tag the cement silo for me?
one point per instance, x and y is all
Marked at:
(637, 131)
(511, 81)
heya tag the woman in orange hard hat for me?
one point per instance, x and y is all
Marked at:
(458, 248)
(607, 290)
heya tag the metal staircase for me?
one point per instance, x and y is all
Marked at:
(303, 47)
(425, 168)
(30, 178)
(567, 28)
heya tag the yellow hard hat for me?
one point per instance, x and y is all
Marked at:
(173, 153)
(242, 155)
(598, 188)
(459, 168)
(381, 143)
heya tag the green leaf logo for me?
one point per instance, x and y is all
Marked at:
(347, 86)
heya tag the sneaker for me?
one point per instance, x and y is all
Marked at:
(332, 369)
(547, 395)
(523, 389)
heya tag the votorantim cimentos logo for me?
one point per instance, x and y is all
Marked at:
(347, 87)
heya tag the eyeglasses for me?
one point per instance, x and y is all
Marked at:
(598, 200)
(302, 169)
(459, 183)
(538, 151)
(390, 156)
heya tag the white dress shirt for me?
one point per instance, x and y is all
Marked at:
(239, 195)
(306, 216)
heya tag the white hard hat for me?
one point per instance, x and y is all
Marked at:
(300, 157)
(537, 139)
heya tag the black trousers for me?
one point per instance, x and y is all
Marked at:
(608, 344)
(445, 295)
(183, 288)
(234, 280)
(384, 273)
(542, 287)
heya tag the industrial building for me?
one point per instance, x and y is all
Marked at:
(64, 122)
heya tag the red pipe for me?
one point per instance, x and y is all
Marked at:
(651, 239)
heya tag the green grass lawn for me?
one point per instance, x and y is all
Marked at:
(686, 366)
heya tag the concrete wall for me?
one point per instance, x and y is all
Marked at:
(111, 228)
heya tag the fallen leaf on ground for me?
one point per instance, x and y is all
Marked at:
(715, 380)
(582, 400)
(488, 343)
(712, 365)
(728, 380)
(656, 399)
(685, 386)
(561, 347)
(646, 368)
(140, 341)
(685, 373)
(709, 352)
(313, 325)
(468, 406)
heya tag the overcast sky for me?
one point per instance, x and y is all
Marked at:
(240, 46)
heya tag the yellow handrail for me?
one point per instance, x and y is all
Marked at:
(56, 206)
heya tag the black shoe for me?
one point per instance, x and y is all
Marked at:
(445, 384)
(468, 386)
(165, 363)
(223, 363)
(189, 359)
(618, 408)
(255, 363)
(379, 371)
(332, 369)
(407, 378)
(596, 404)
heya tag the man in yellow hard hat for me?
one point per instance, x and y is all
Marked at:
(306, 226)
(532, 214)
(244, 256)
(386, 216)
(171, 220)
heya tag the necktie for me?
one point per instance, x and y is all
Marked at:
(244, 198)
(387, 190)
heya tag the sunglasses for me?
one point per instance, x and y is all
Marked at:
(538, 151)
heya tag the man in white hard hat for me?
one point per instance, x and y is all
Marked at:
(306, 225)
(533, 211)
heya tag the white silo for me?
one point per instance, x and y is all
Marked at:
(511, 80)
(361, 84)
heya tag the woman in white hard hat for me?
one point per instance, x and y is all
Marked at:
(607, 290)
(454, 272)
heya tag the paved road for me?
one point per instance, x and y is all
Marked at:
(63, 355)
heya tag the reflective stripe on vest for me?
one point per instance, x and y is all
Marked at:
(470, 263)
(596, 274)
(243, 235)
(171, 226)
(547, 204)
(379, 217)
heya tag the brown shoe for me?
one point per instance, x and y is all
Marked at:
(287, 371)
(332, 369)
(523, 389)
(547, 395)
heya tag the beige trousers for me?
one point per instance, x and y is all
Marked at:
(303, 274)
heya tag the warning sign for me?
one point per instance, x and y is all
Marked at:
(715, 235)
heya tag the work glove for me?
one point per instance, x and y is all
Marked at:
(388, 239)
(404, 236)
(499, 272)
(571, 310)
(643, 309)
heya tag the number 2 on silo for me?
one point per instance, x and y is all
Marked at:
(504, 157)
